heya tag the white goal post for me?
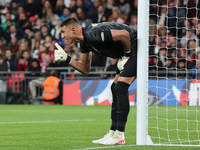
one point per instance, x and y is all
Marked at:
(142, 73)
(173, 119)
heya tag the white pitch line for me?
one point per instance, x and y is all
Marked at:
(48, 121)
(104, 147)
(155, 145)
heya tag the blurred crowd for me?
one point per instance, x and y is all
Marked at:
(174, 32)
(30, 28)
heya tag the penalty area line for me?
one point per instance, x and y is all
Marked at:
(48, 121)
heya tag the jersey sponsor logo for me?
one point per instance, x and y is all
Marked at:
(102, 37)
(94, 24)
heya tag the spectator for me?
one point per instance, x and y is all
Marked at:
(80, 3)
(115, 9)
(196, 68)
(44, 31)
(92, 12)
(46, 6)
(194, 22)
(176, 15)
(154, 49)
(47, 41)
(13, 33)
(35, 68)
(152, 30)
(191, 8)
(169, 3)
(13, 43)
(100, 14)
(37, 25)
(4, 2)
(153, 13)
(28, 34)
(51, 50)
(42, 49)
(22, 47)
(186, 25)
(73, 6)
(66, 13)
(74, 15)
(10, 60)
(170, 67)
(191, 53)
(35, 50)
(23, 23)
(108, 8)
(2, 42)
(24, 61)
(31, 8)
(162, 54)
(155, 66)
(37, 37)
(15, 6)
(198, 33)
(190, 34)
(116, 18)
(88, 4)
(20, 11)
(161, 20)
(133, 22)
(33, 84)
(134, 7)
(55, 32)
(7, 18)
(172, 46)
(182, 68)
(59, 7)
(84, 20)
(3, 66)
(45, 61)
(52, 88)
(51, 18)
(124, 7)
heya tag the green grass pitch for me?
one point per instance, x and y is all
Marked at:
(54, 127)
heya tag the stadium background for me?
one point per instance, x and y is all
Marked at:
(29, 29)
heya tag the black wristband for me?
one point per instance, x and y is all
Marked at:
(68, 60)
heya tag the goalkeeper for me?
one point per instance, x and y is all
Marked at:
(112, 40)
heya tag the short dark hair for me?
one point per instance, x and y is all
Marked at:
(54, 73)
(68, 21)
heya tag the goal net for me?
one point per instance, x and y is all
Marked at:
(174, 64)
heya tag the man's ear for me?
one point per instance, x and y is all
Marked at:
(73, 30)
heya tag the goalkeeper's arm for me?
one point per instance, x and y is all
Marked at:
(82, 66)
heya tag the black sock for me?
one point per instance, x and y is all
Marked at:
(123, 106)
(114, 108)
(113, 126)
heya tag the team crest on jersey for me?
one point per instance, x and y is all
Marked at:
(102, 36)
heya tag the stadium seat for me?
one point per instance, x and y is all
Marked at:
(15, 82)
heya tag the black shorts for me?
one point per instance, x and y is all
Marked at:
(130, 67)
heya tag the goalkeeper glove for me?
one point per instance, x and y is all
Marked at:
(61, 55)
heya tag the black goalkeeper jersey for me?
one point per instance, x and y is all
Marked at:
(98, 39)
